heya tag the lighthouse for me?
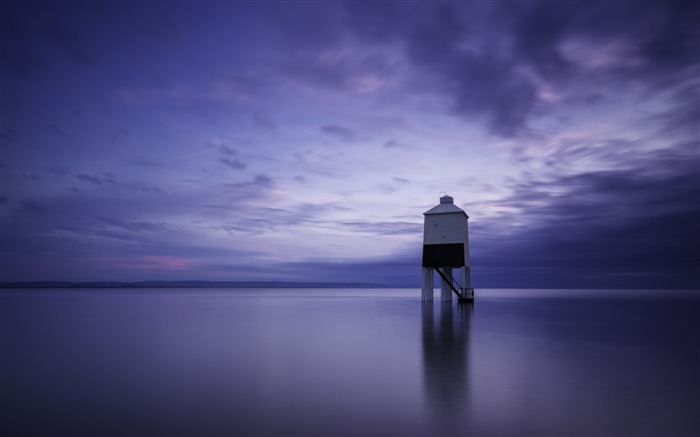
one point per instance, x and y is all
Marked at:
(446, 251)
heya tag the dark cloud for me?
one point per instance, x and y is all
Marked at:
(227, 150)
(233, 163)
(394, 144)
(30, 206)
(675, 42)
(90, 178)
(538, 30)
(57, 171)
(259, 187)
(111, 180)
(437, 40)
(134, 226)
(484, 84)
(492, 86)
(146, 163)
(493, 59)
(609, 228)
(228, 157)
(344, 133)
(263, 180)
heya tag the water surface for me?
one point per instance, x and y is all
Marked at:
(349, 362)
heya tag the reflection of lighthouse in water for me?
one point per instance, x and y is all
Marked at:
(446, 363)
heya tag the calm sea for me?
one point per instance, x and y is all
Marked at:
(331, 362)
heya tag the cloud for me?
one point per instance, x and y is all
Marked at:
(505, 63)
(30, 206)
(397, 270)
(110, 180)
(682, 117)
(233, 163)
(538, 31)
(228, 157)
(639, 228)
(146, 163)
(344, 67)
(89, 178)
(262, 120)
(134, 226)
(483, 82)
(258, 187)
(263, 180)
(572, 125)
(382, 227)
(675, 43)
(341, 132)
(264, 219)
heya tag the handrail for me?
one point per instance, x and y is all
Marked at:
(454, 281)
(462, 293)
(451, 281)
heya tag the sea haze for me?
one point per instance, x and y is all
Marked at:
(204, 362)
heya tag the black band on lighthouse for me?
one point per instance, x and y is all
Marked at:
(443, 255)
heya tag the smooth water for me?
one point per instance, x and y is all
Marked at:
(349, 362)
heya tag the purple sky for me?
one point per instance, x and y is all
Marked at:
(304, 140)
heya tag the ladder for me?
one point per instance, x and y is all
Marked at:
(461, 292)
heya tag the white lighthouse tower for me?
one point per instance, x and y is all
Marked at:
(446, 247)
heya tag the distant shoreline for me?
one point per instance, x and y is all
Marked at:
(188, 284)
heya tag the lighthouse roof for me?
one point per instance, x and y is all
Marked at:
(446, 206)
